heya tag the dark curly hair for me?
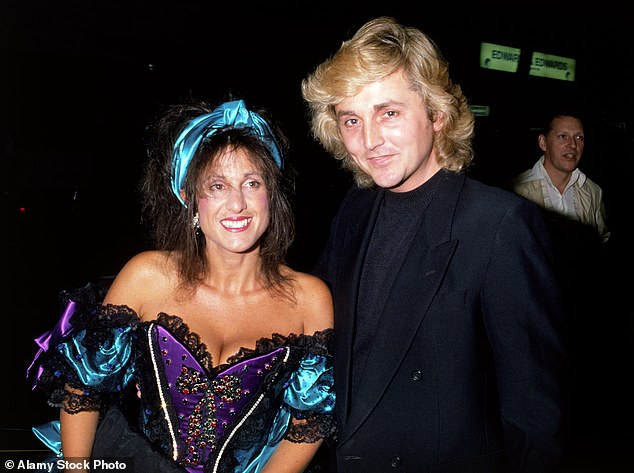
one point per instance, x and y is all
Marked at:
(170, 222)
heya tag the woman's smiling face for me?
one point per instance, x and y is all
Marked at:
(233, 202)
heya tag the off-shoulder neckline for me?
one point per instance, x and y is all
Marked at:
(194, 343)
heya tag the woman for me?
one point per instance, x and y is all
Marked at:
(227, 345)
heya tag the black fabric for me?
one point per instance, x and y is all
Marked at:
(117, 440)
(137, 432)
(400, 215)
(484, 275)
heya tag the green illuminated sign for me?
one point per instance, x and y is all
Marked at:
(479, 110)
(499, 58)
(553, 67)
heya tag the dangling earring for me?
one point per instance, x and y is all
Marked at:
(196, 223)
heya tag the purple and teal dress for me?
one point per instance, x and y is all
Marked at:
(192, 415)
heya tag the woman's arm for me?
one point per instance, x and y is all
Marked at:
(77, 433)
(315, 302)
(290, 457)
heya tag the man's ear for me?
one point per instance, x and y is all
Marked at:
(439, 121)
(541, 141)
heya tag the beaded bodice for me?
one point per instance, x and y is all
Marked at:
(204, 418)
(204, 410)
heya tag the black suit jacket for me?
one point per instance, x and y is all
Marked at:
(465, 371)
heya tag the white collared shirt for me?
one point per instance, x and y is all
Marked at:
(582, 199)
(563, 203)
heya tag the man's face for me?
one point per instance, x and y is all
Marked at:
(563, 144)
(388, 133)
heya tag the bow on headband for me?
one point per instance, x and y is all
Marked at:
(229, 114)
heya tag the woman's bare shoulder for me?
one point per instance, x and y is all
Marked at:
(144, 274)
(308, 282)
(314, 301)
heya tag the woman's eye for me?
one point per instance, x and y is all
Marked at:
(212, 188)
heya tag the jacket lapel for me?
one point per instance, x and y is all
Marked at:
(413, 290)
(355, 244)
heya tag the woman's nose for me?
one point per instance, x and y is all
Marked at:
(237, 202)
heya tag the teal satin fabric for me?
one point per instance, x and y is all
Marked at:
(230, 114)
(49, 435)
(311, 386)
(309, 389)
(113, 360)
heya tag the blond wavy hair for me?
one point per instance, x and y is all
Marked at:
(379, 48)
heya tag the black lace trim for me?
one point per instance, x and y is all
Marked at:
(318, 344)
(66, 390)
(189, 339)
(73, 402)
(305, 427)
(309, 428)
(64, 387)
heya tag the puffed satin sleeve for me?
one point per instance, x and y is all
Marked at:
(311, 386)
(309, 396)
(88, 356)
(306, 411)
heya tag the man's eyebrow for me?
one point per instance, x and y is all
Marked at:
(377, 107)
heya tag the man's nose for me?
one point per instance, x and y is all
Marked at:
(373, 135)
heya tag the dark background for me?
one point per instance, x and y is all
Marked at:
(80, 81)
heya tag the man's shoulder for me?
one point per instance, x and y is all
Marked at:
(360, 195)
(489, 191)
(489, 202)
(592, 185)
(524, 178)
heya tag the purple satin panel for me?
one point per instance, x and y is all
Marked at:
(207, 407)
(52, 337)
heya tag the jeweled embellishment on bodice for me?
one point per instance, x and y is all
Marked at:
(202, 422)
(202, 409)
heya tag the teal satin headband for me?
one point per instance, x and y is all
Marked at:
(229, 114)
